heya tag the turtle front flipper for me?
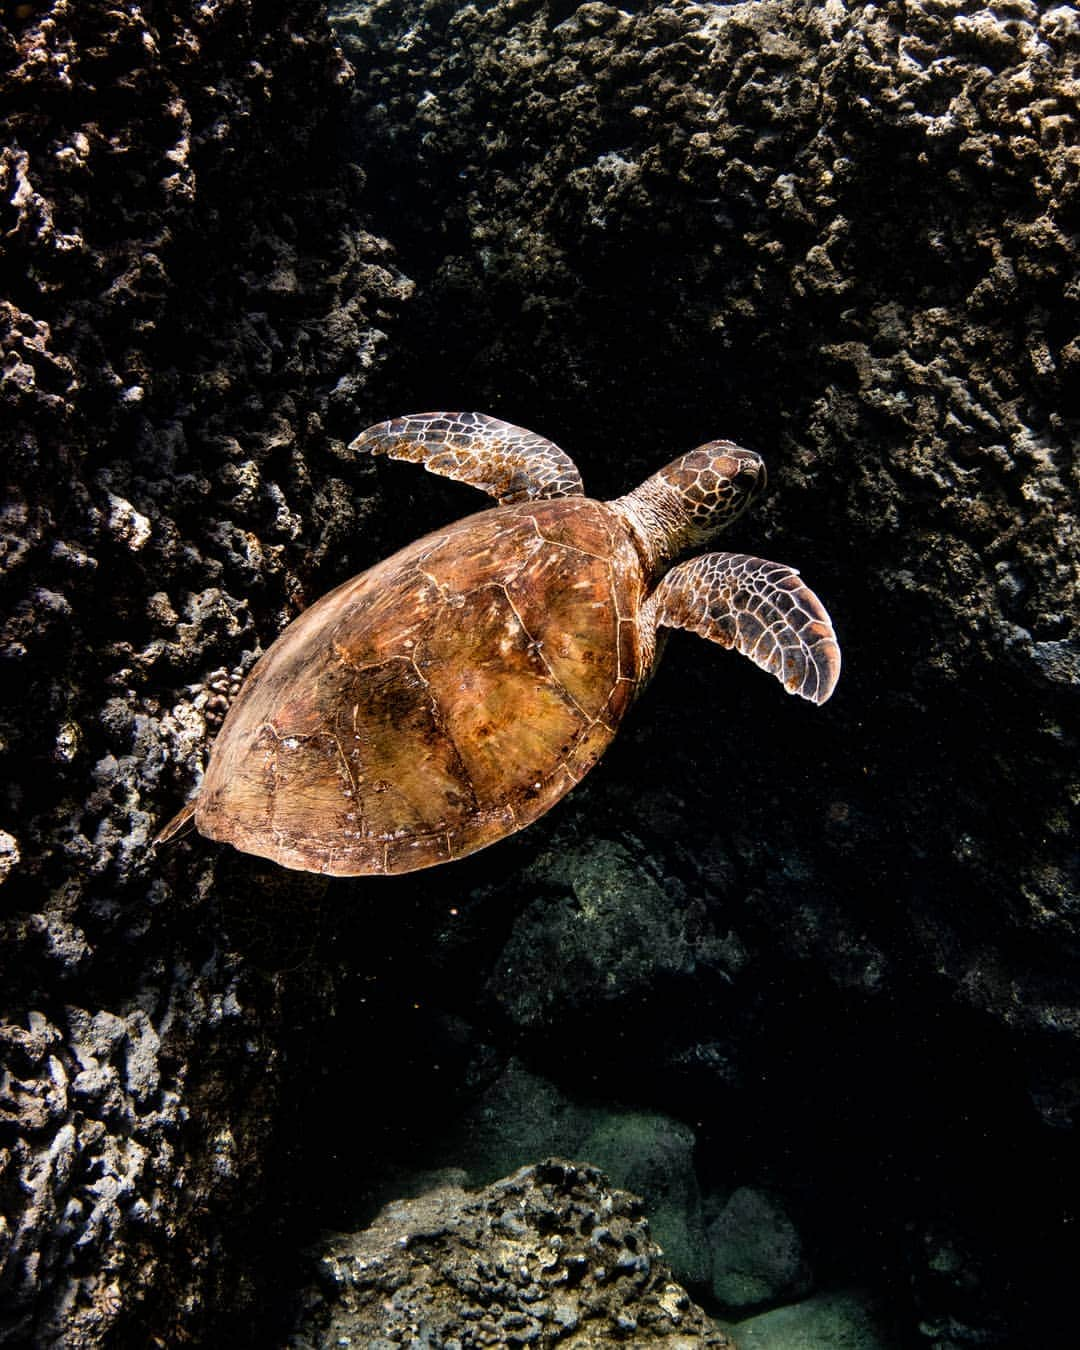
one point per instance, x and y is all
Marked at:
(762, 609)
(510, 463)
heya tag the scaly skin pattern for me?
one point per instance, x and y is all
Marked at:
(441, 700)
(762, 609)
(687, 503)
(507, 462)
(453, 693)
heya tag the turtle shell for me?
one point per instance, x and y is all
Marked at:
(437, 702)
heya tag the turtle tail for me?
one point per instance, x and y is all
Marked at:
(180, 824)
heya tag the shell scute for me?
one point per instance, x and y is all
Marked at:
(443, 699)
(508, 714)
(565, 601)
(575, 524)
(404, 770)
(306, 779)
(628, 650)
(491, 551)
(414, 851)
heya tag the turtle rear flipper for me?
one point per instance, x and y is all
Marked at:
(762, 609)
(508, 462)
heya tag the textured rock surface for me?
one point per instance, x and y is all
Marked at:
(549, 1256)
(520, 1116)
(603, 928)
(842, 1321)
(757, 1256)
(186, 306)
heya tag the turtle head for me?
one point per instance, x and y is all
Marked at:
(688, 502)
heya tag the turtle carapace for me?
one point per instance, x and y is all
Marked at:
(451, 694)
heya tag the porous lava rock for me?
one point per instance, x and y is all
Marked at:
(549, 1256)
(188, 307)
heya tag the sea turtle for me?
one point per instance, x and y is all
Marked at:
(454, 692)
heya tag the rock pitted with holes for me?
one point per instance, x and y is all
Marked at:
(454, 692)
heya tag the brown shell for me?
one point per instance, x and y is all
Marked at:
(439, 701)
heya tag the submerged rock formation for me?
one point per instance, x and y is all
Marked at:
(187, 306)
(549, 1256)
(840, 944)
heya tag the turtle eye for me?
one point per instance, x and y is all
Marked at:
(749, 475)
(745, 473)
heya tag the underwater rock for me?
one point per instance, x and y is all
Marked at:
(605, 930)
(518, 1117)
(653, 1155)
(756, 1252)
(521, 1116)
(166, 439)
(848, 1320)
(549, 1255)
